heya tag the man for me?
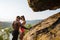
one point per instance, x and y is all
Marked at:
(16, 24)
(18, 27)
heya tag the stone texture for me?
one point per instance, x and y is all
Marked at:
(48, 29)
(41, 5)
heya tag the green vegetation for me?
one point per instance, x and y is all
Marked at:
(28, 26)
(5, 32)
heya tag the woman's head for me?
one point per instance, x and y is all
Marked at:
(22, 18)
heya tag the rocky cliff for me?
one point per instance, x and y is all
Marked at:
(48, 29)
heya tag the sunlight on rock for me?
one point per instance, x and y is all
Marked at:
(48, 29)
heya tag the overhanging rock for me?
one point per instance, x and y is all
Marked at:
(41, 5)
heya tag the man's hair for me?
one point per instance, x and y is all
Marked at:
(18, 17)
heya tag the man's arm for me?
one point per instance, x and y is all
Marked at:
(13, 25)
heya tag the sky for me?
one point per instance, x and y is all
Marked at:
(9, 9)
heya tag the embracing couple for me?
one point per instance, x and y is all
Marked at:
(19, 27)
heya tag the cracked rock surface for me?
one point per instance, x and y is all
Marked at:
(41, 5)
(48, 29)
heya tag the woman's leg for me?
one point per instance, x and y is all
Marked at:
(21, 36)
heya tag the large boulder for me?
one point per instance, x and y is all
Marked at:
(41, 5)
(48, 29)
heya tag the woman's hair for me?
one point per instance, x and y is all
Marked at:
(23, 17)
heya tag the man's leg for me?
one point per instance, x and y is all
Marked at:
(15, 35)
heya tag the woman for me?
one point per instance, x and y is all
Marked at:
(22, 28)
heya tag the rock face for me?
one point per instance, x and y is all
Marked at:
(41, 5)
(48, 29)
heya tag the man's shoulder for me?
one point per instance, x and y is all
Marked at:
(16, 22)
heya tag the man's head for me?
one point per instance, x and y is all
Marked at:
(18, 18)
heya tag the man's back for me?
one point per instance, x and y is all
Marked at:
(16, 25)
